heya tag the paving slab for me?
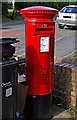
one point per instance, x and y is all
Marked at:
(60, 113)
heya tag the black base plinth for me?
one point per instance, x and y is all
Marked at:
(38, 107)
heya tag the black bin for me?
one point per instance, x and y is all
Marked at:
(8, 82)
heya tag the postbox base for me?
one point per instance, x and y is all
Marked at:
(38, 107)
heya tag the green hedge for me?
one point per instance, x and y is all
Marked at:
(4, 8)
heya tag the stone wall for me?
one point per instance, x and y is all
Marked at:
(65, 83)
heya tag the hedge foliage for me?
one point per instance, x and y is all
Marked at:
(4, 8)
(57, 5)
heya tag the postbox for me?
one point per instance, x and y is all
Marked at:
(39, 49)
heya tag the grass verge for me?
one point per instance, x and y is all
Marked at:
(5, 19)
(9, 16)
(19, 18)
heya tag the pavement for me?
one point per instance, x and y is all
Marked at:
(60, 113)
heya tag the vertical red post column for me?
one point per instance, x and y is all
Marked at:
(39, 49)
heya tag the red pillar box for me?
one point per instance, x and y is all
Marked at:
(39, 46)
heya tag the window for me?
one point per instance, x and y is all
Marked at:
(62, 9)
(69, 10)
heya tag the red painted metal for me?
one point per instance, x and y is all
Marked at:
(40, 65)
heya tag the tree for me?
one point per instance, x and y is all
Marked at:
(4, 8)
(57, 5)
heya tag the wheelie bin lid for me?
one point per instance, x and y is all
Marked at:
(8, 40)
(11, 63)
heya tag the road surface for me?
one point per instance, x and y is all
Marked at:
(65, 39)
